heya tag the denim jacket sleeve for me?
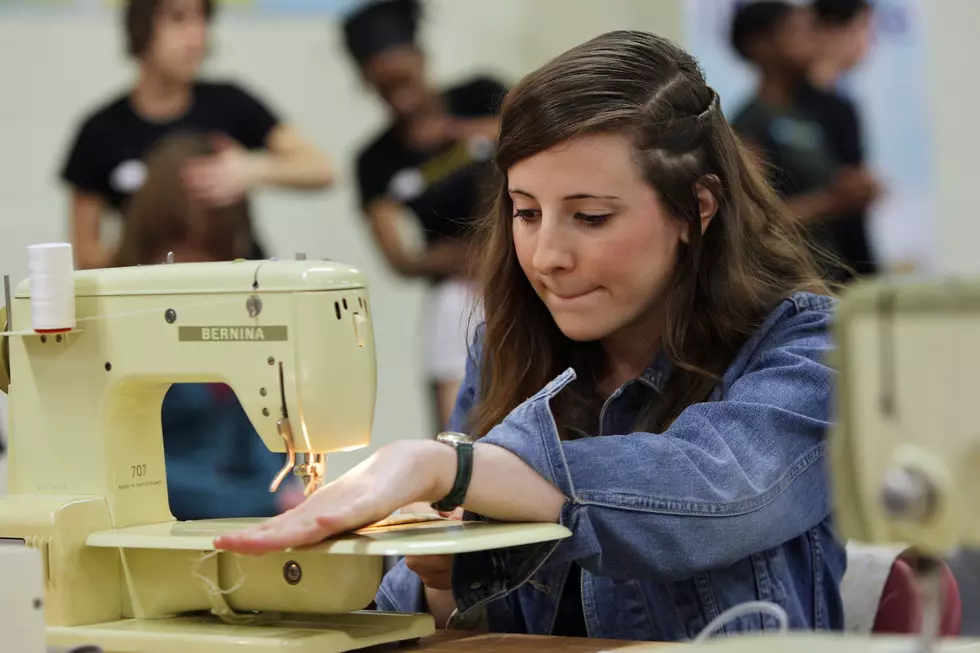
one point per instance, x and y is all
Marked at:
(731, 477)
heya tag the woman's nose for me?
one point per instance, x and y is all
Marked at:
(553, 250)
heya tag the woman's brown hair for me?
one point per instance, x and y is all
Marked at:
(751, 256)
(162, 216)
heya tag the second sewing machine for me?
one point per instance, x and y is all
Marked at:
(87, 484)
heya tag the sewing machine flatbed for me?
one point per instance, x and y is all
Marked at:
(422, 538)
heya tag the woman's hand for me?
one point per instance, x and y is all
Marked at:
(396, 475)
(224, 177)
(436, 572)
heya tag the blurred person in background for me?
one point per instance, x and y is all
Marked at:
(253, 147)
(432, 160)
(844, 34)
(789, 124)
(217, 466)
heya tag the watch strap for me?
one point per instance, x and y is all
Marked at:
(461, 484)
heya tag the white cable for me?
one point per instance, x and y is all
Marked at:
(742, 610)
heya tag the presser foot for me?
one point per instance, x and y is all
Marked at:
(311, 468)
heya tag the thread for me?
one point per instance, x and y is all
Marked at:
(211, 585)
(216, 595)
(51, 271)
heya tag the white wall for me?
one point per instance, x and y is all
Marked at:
(951, 30)
(53, 70)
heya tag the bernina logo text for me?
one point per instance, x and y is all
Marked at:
(232, 333)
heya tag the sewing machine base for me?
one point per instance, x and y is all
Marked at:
(204, 633)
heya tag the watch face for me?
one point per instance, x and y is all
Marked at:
(451, 437)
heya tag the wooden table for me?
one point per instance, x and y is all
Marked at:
(455, 641)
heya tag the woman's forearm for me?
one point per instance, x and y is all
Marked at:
(502, 487)
(291, 160)
(440, 604)
(302, 169)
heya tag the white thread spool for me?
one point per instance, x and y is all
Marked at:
(51, 270)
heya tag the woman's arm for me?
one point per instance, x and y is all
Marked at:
(402, 591)
(444, 258)
(729, 478)
(291, 160)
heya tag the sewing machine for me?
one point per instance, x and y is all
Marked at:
(87, 484)
(905, 449)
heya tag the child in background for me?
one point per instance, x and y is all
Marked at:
(217, 466)
(789, 123)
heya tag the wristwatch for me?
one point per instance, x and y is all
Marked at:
(463, 445)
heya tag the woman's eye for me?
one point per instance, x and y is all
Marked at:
(593, 219)
(526, 214)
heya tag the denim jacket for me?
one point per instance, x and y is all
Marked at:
(729, 504)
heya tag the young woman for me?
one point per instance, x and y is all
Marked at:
(651, 374)
(216, 464)
(432, 161)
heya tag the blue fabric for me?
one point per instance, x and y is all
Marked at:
(217, 466)
(730, 504)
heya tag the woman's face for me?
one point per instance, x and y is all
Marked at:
(180, 39)
(592, 236)
(398, 76)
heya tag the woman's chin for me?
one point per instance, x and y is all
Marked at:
(580, 329)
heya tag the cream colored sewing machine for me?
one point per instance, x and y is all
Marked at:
(905, 452)
(87, 485)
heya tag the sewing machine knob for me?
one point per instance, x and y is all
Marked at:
(292, 572)
(908, 494)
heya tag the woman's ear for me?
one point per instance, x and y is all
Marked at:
(707, 205)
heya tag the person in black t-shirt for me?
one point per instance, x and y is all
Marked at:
(789, 124)
(105, 166)
(432, 161)
(844, 30)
